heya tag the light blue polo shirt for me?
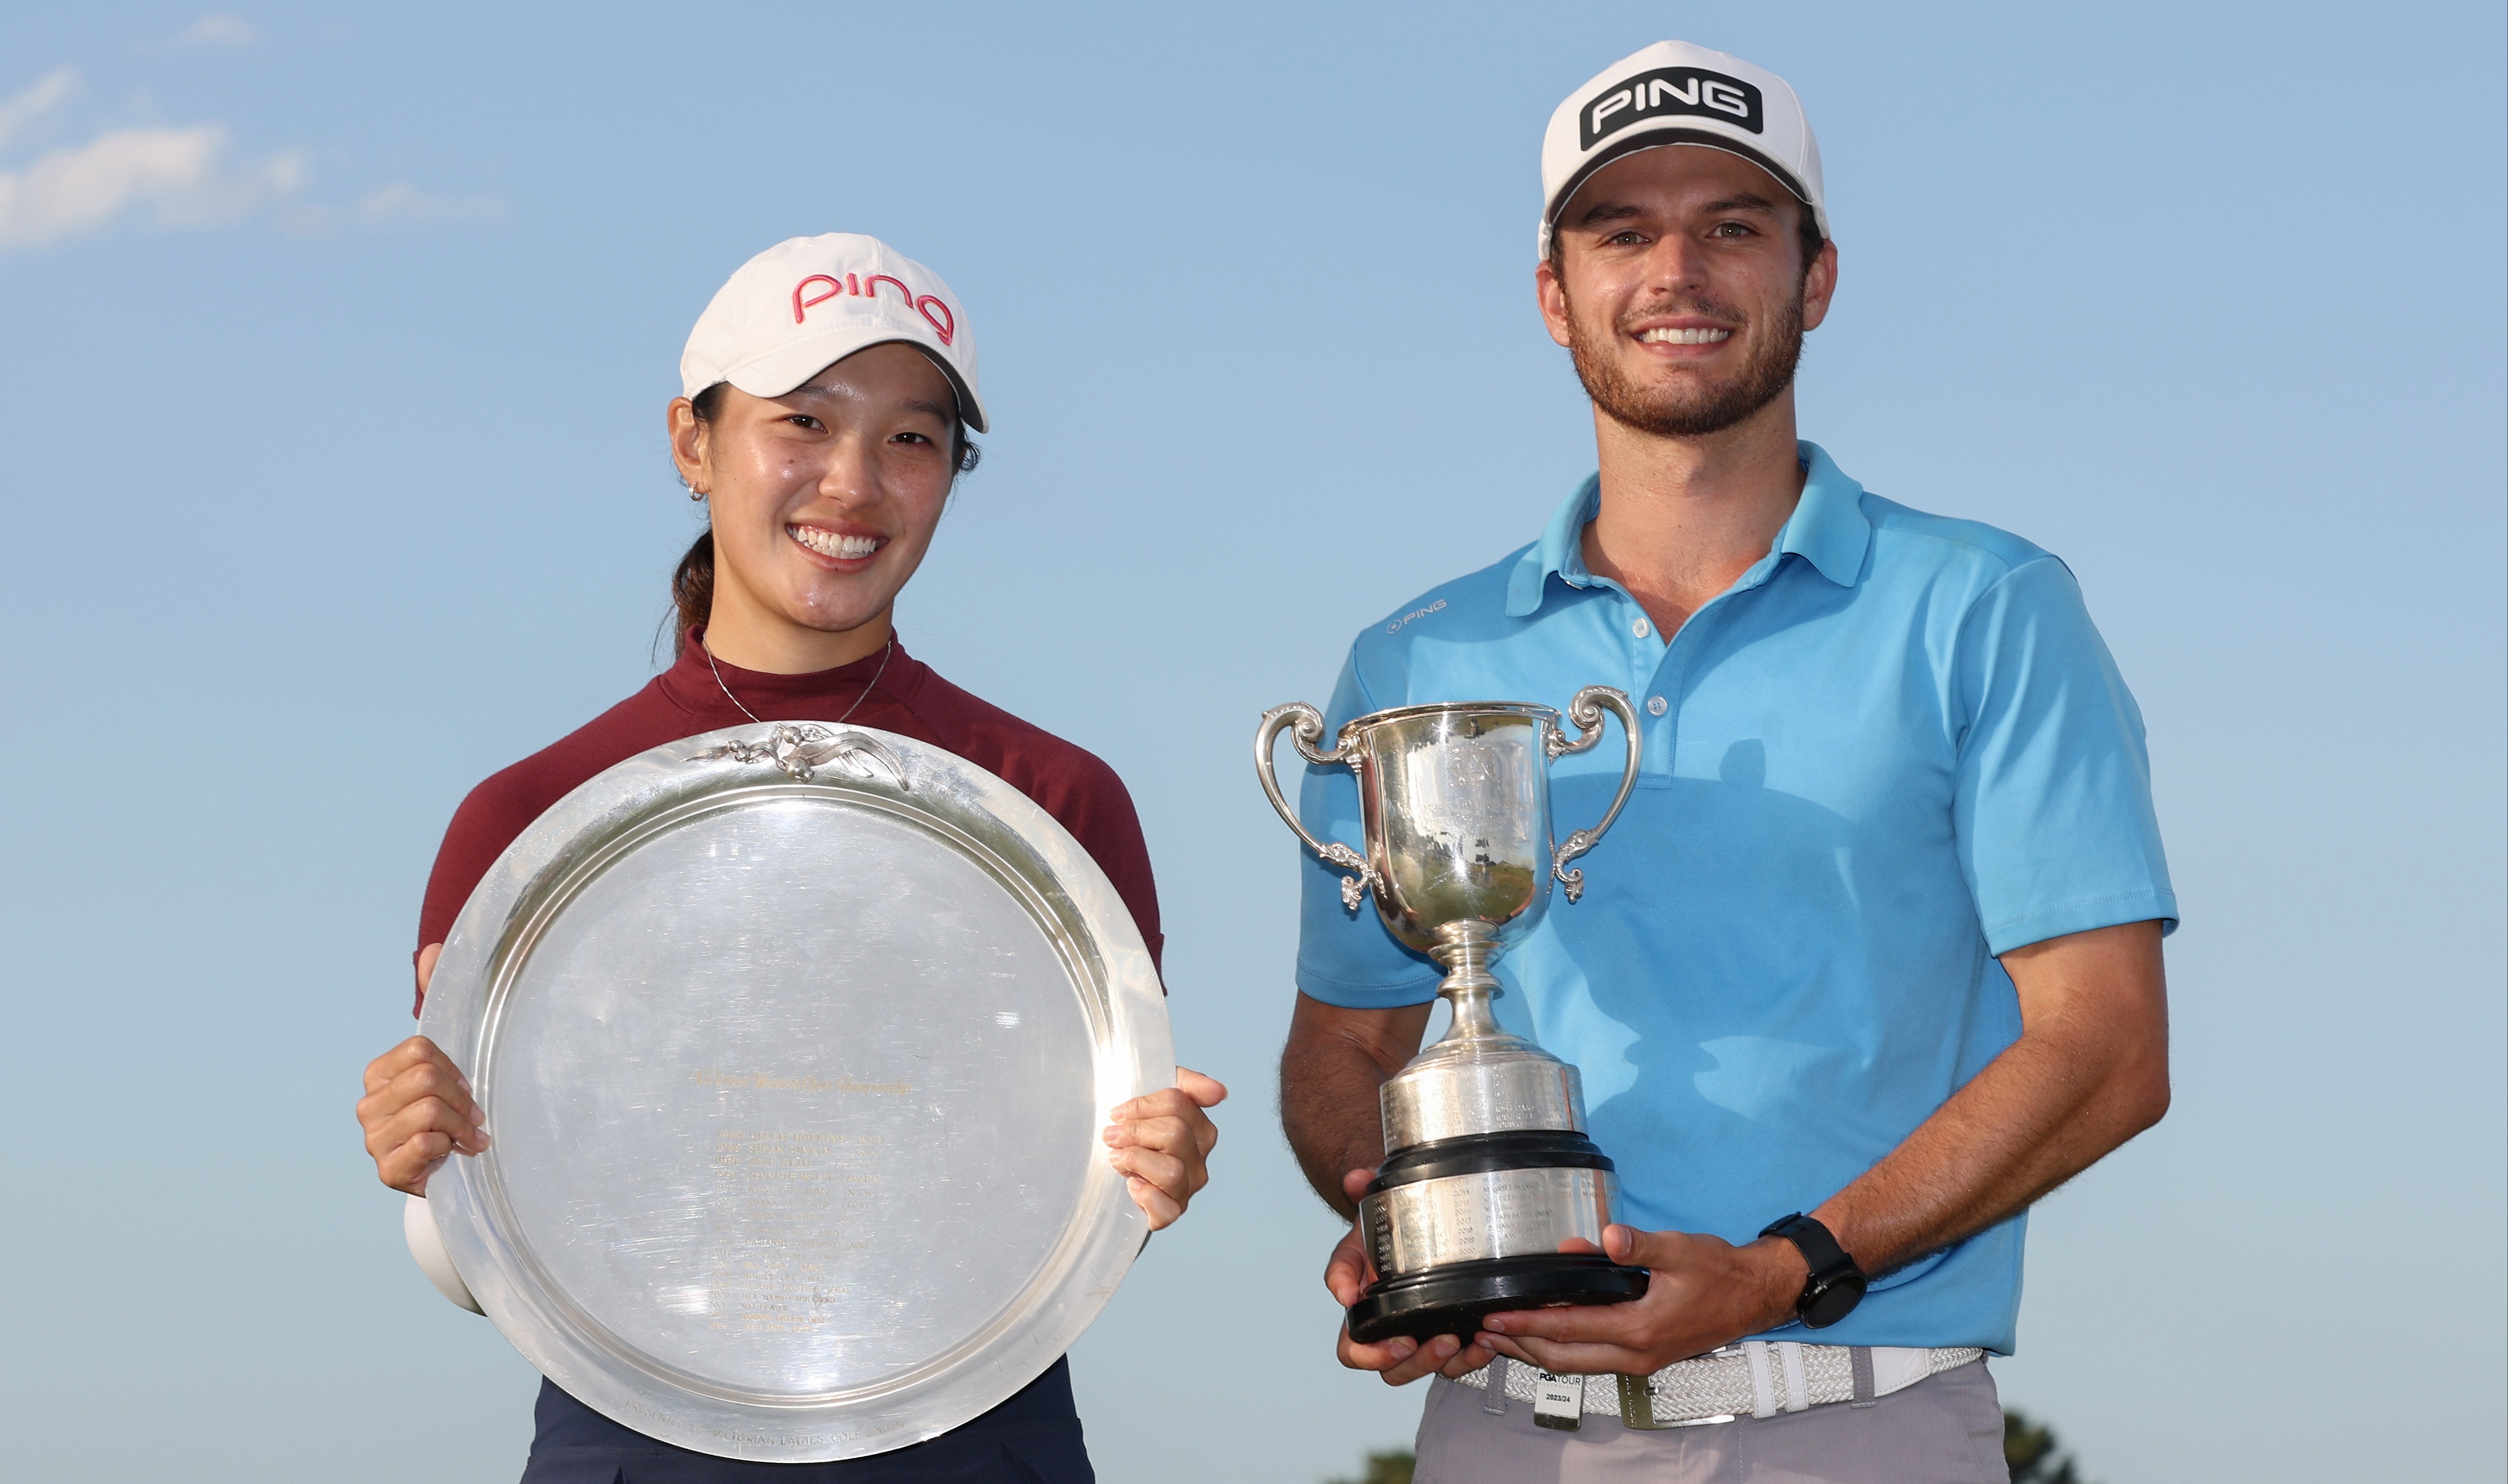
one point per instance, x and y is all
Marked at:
(1893, 749)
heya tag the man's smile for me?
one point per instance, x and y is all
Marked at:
(1668, 335)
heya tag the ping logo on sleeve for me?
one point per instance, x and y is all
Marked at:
(1668, 90)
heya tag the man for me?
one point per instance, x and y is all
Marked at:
(1877, 939)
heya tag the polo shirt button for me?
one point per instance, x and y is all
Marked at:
(1656, 705)
(1639, 628)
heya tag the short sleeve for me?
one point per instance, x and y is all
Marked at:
(1348, 957)
(2054, 813)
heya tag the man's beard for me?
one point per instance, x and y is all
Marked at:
(1691, 411)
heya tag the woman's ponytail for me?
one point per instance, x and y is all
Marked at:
(692, 589)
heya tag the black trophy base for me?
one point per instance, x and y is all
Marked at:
(1454, 1298)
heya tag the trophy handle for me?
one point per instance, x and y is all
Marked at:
(1586, 711)
(1307, 729)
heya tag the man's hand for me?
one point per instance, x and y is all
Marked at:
(1705, 1293)
(1162, 1144)
(417, 1111)
(1335, 1061)
(1400, 1360)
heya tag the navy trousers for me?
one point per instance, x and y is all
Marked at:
(1032, 1438)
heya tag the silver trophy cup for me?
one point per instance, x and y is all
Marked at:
(1491, 1196)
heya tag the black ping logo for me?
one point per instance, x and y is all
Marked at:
(1668, 90)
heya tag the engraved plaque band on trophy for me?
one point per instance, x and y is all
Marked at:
(796, 1041)
(1491, 1195)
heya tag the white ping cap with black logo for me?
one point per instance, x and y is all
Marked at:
(806, 303)
(1674, 92)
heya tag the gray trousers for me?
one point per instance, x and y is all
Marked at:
(1944, 1429)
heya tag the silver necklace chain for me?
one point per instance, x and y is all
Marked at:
(884, 653)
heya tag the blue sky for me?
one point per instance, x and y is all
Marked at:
(338, 339)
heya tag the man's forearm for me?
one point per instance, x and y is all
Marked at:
(1330, 1071)
(2090, 1071)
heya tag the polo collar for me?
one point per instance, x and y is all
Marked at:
(1559, 553)
(1826, 529)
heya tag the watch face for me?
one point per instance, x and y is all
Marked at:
(1833, 1301)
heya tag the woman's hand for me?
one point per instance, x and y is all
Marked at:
(418, 1109)
(1162, 1144)
(415, 1111)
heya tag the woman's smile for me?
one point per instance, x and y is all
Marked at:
(839, 551)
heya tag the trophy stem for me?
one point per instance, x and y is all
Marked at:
(1467, 949)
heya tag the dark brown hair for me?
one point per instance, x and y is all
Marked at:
(692, 584)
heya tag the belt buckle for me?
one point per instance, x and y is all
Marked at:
(1636, 1408)
(1637, 1404)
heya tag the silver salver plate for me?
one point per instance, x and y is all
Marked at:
(794, 1043)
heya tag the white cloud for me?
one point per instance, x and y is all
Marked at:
(178, 176)
(218, 29)
(182, 177)
(401, 201)
(36, 101)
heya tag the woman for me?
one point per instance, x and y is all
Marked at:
(828, 390)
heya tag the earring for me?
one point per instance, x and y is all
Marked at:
(697, 495)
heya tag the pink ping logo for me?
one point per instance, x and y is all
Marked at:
(934, 314)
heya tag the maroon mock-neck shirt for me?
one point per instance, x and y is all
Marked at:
(1069, 784)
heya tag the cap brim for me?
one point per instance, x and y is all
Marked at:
(1672, 134)
(786, 367)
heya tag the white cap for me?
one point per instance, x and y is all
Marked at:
(1674, 92)
(806, 303)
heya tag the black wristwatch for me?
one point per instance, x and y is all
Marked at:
(1836, 1285)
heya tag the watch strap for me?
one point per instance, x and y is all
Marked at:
(1835, 1285)
(1819, 1250)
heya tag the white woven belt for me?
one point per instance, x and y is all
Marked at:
(1756, 1378)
